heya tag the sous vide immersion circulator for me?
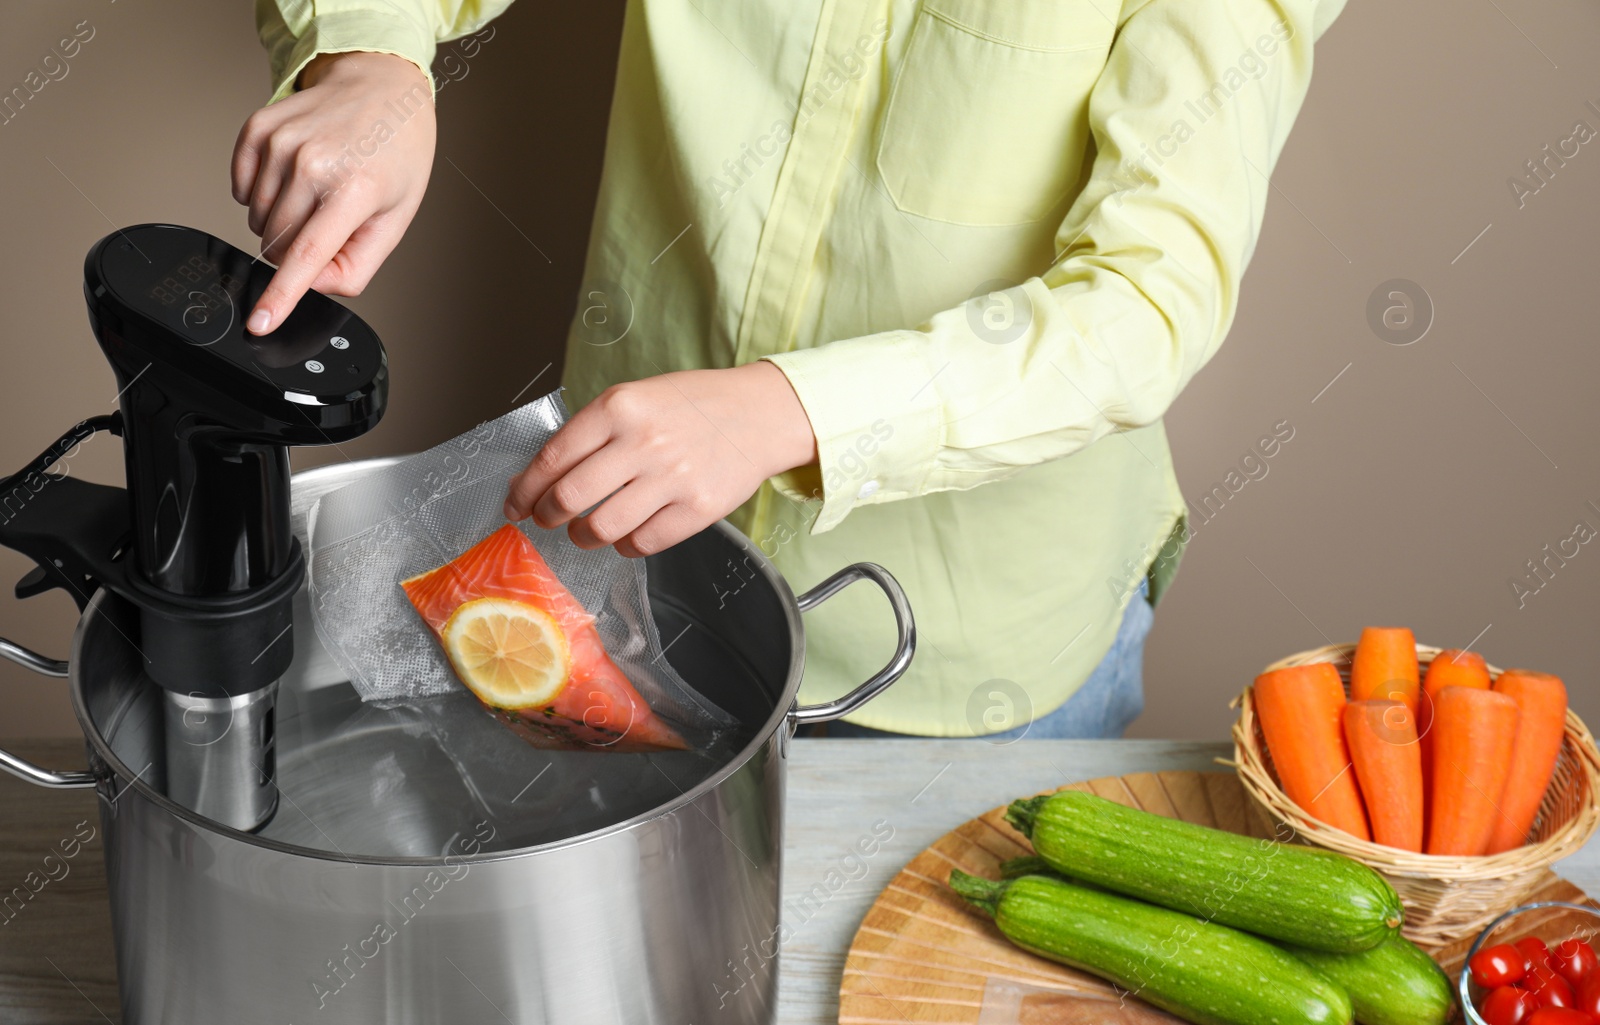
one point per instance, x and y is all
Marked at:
(199, 540)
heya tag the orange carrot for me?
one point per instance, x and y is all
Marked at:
(1300, 708)
(1452, 667)
(1542, 700)
(1385, 666)
(1382, 737)
(1473, 733)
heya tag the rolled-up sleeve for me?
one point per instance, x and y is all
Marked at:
(1188, 118)
(295, 31)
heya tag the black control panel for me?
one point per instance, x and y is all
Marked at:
(179, 297)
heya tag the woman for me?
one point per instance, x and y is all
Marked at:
(907, 282)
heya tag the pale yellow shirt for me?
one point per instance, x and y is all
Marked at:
(988, 242)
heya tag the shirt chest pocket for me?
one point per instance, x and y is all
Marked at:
(987, 121)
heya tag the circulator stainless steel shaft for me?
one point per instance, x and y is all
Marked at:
(220, 756)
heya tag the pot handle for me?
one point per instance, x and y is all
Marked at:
(69, 780)
(41, 664)
(905, 647)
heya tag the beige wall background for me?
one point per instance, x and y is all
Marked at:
(1419, 480)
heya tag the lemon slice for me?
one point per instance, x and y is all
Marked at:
(510, 654)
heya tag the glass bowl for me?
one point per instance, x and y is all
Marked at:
(1551, 921)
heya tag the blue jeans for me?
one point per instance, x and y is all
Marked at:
(1109, 700)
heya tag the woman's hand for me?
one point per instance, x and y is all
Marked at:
(685, 449)
(333, 175)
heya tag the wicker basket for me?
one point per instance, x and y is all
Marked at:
(1446, 898)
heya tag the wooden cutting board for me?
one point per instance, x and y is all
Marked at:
(923, 955)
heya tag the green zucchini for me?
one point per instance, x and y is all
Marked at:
(1300, 895)
(1205, 973)
(1394, 983)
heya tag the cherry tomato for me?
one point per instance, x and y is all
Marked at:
(1589, 996)
(1550, 989)
(1498, 966)
(1575, 960)
(1558, 1016)
(1538, 975)
(1534, 949)
(1508, 1005)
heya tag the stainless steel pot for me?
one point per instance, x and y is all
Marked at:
(664, 914)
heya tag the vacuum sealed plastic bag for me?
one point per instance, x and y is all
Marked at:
(419, 586)
(520, 642)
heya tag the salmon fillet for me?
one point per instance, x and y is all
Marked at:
(597, 707)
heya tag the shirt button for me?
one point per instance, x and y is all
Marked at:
(868, 489)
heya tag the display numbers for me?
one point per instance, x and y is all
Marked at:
(196, 283)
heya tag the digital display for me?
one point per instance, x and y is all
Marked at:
(181, 279)
(202, 294)
(199, 290)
